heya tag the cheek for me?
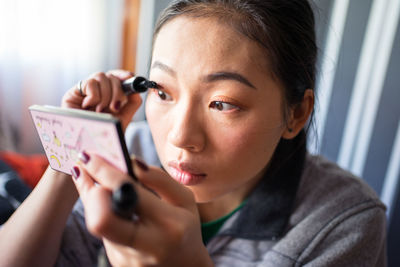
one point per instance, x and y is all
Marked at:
(254, 144)
(247, 150)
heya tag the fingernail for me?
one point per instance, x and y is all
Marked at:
(75, 172)
(117, 105)
(143, 166)
(84, 157)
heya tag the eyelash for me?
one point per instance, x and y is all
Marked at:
(218, 104)
(162, 95)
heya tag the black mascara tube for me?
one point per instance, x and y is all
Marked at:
(124, 201)
(137, 84)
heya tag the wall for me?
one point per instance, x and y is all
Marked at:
(46, 47)
(359, 92)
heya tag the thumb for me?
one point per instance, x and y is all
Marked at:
(121, 74)
(164, 185)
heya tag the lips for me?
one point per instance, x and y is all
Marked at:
(185, 173)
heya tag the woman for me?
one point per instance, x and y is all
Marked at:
(235, 91)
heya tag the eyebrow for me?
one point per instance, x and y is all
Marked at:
(217, 76)
(158, 65)
(226, 75)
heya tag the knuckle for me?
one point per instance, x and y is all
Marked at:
(83, 188)
(65, 98)
(91, 83)
(96, 165)
(97, 224)
(176, 231)
(110, 75)
(121, 74)
(135, 101)
(100, 76)
(138, 101)
(112, 72)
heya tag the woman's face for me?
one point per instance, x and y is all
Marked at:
(218, 117)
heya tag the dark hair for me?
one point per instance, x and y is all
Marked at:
(284, 28)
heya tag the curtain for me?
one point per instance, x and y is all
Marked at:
(47, 46)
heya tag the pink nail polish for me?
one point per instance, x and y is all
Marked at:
(141, 164)
(117, 105)
(75, 172)
(84, 157)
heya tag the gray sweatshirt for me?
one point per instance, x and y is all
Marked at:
(336, 220)
(311, 213)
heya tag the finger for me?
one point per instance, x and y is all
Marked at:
(82, 181)
(137, 239)
(124, 255)
(103, 222)
(102, 171)
(134, 241)
(105, 90)
(111, 178)
(72, 99)
(100, 218)
(127, 111)
(157, 219)
(141, 235)
(165, 186)
(91, 90)
(118, 99)
(121, 74)
(146, 240)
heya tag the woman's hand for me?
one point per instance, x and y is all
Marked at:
(167, 232)
(102, 92)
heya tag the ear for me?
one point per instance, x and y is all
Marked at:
(299, 115)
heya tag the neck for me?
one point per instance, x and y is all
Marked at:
(212, 210)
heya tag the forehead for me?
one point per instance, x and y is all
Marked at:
(210, 41)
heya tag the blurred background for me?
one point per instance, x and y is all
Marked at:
(47, 46)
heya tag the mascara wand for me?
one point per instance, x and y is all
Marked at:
(123, 202)
(137, 84)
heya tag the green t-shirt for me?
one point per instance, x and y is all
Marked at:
(210, 229)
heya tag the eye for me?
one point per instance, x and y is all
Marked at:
(163, 95)
(223, 106)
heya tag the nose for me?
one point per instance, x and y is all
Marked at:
(187, 130)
